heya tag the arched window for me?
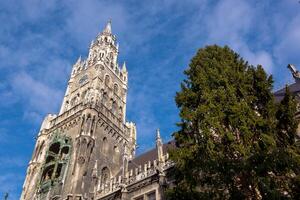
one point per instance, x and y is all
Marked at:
(105, 175)
(53, 168)
(104, 98)
(107, 79)
(114, 107)
(116, 88)
(54, 148)
(120, 112)
(104, 145)
(67, 105)
(116, 154)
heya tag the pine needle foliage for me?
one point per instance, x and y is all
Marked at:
(234, 141)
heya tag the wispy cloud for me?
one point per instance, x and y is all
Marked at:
(35, 94)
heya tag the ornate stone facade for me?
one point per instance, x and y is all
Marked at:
(87, 151)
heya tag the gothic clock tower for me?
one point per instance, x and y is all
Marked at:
(89, 141)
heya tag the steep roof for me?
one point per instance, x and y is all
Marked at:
(293, 88)
(150, 155)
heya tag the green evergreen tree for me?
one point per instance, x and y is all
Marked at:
(287, 125)
(228, 131)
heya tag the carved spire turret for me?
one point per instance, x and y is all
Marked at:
(295, 72)
(124, 69)
(93, 134)
(107, 28)
(159, 147)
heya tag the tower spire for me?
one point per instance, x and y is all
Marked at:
(157, 134)
(159, 147)
(124, 69)
(107, 28)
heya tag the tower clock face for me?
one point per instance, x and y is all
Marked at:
(83, 79)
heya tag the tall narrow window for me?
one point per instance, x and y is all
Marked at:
(120, 112)
(105, 175)
(57, 158)
(114, 107)
(107, 79)
(104, 145)
(116, 88)
(104, 98)
(116, 154)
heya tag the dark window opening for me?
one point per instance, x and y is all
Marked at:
(116, 88)
(139, 198)
(58, 170)
(55, 148)
(65, 150)
(64, 153)
(47, 175)
(104, 98)
(49, 159)
(114, 107)
(107, 79)
(105, 175)
(151, 196)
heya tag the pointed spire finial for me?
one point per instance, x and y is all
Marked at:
(107, 28)
(78, 60)
(160, 152)
(92, 43)
(124, 69)
(157, 134)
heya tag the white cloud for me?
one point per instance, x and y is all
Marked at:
(288, 48)
(36, 95)
(233, 23)
(86, 19)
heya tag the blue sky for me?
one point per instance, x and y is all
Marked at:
(40, 40)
